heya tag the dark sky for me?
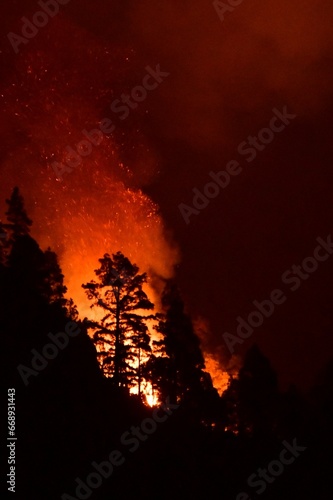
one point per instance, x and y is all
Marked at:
(225, 80)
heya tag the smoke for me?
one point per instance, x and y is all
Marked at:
(227, 73)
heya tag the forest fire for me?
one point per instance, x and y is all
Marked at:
(113, 308)
(98, 207)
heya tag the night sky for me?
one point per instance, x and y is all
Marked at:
(225, 78)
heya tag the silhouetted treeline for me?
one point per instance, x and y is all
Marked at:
(73, 401)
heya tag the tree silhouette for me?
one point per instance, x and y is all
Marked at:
(54, 280)
(3, 242)
(253, 397)
(19, 222)
(122, 334)
(183, 376)
(33, 272)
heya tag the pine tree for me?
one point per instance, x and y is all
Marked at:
(19, 222)
(122, 335)
(185, 363)
(253, 397)
(34, 271)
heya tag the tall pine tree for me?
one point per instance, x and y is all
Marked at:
(122, 335)
(33, 271)
(183, 368)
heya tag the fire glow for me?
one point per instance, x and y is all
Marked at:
(99, 207)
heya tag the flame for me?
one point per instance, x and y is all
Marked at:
(219, 376)
(219, 370)
(151, 395)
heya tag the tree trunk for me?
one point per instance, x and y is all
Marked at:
(117, 343)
